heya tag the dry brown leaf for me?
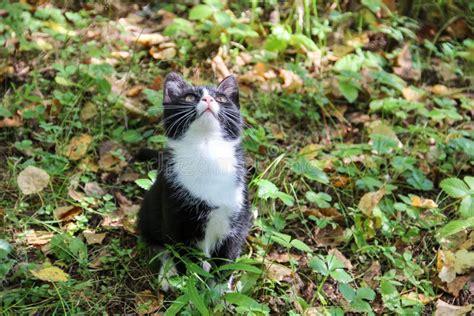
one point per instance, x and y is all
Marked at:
(420, 202)
(445, 309)
(329, 236)
(417, 297)
(147, 303)
(278, 272)
(14, 121)
(120, 54)
(88, 164)
(406, 69)
(150, 39)
(329, 213)
(372, 273)
(291, 81)
(336, 253)
(76, 196)
(277, 132)
(93, 238)
(282, 257)
(439, 89)
(260, 69)
(50, 274)
(93, 189)
(370, 200)
(457, 284)
(66, 213)
(110, 162)
(135, 90)
(411, 94)
(88, 111)
(38, 238)
(219, 67)
(32, 180)
(77, 147)
(340, 181)
(445, 265)
(164, 54)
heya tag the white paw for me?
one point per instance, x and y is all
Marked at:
(167, 270)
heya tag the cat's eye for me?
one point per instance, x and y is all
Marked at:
(190, 98)
(221, 99)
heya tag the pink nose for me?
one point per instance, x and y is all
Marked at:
(208, 99)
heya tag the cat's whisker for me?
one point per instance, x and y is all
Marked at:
(176, 123)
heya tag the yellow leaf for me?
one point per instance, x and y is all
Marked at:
(370, 200)
(417, 201)
(93, 238)
(77, 147)
(464, 261)
(51, 274)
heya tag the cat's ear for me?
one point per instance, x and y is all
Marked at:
(174, 86)
(230, 88)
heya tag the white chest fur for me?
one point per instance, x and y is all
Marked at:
(206, 165)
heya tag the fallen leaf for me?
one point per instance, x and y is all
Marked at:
(310, 151)
(406, 69)
(135, 90)
(76, 195)
(372, 274)
(278, 272)
(445, 309)
(93, 189)
(370, 200)
(66, 213)
(88, 111)
(120, 54)
(38, 238)
(445, 265)
(340, 181)
(411, 94)
(150, 39)
(147, 303)
(14, 121)
(464, 261)
(330, 213)
(50, 274)
(164, 54)
(291, 81)
(77, 147)
(420, 202)
(417, 297)
(282, 257)
(93, 238)
(88, 164)
(329, 236)
(32, 180)
(439, 89)
(455, 286)
(219, 67)
(337, 254)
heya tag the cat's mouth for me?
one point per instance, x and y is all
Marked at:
(208, 110)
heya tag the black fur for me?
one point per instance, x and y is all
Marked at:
(169, 213)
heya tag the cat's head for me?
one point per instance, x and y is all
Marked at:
(201, 109)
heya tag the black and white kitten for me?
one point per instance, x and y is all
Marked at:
(199, 198)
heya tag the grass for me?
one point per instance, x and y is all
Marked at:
(360, 157)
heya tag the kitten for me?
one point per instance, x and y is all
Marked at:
(200, 197)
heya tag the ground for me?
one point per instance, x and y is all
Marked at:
(359, 142)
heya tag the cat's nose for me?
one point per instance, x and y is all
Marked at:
(208, 99)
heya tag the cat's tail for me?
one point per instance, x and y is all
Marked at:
(146, 154)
